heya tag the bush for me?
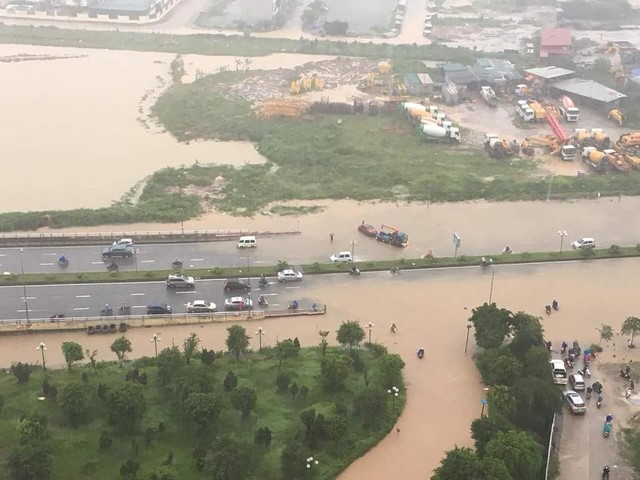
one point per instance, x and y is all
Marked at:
(282, 381)
(105, 441)
(615, 250)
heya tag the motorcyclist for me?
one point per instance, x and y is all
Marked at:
(263, 280)
(507, 249)
(177, 262)
(63, 259)
(547, 309)
(394, 328)
(564, 347)
(554, 304)
(605, 472)
(421, 352)
(394, 270)
(354, 270)
(293, 305)
(485, 261)
(262, 300)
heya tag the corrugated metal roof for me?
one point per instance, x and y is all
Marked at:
(496, 69)
(411, 79)
(425, 78)
(549, 72)
(461, 77)
(453, 67)
(589, 89)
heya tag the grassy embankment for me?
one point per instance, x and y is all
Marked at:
(318, 268)
(76, 453)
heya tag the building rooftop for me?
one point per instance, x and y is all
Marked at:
(549, 72)
(417, 79)
(589, 89)
(555, 37)
(121, 5)
(461, 77)
(496, 69)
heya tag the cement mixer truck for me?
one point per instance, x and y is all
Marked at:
(595, 159)
(412, 106)
(435, 133)
(600, 138)
(489, 96)
(568, 110)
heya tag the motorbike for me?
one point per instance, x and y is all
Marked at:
(588, 394)
(486, 262)
(555, 305)
(394, 271)
(564, 347)
(626, 373)
(263, 281)
(605, 472)
(394, 328)
(606, 430)
(597, 387)
(112, 267)
(293, 305)
(56, 316)
(177, 263)
(507, 250)
(262, 301)
(585, 372)
(63, 261)
(107, 311)
(355, 271)
(124, 309)
(547, 309)
(599, 401)
(420, 352)
(568, 361)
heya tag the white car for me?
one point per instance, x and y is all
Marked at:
(290, 275)
(341, 257)
(584, 243)
(200, 306)
(124, 241)
(238, 304)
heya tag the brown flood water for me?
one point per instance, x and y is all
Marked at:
(431, 310)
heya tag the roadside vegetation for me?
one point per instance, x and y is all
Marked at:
(194, 413)
(510, 441)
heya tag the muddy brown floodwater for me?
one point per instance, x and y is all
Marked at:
(431, 310)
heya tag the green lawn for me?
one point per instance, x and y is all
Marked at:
(76, 453)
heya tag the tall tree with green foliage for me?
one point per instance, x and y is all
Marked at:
(204, 409)
(371, 404)
(483, 429)
(498, 366)
(74, 402)
(323, 340)
(334, 370)
(527, 333)
(458, 464)
(169, 365)
(121, 346)
(389, 370)
(231, 459)
(501, 401)
(606, 333)
(244, 399)
(190, 344)
(536, 362)
(126, 405)
(72, 352)
(491, 324)
(350, 334)
(30, 461)
(631, 326)
(285, 349)
(519, 451)
(237, 341)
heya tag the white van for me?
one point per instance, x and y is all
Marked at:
(559, 372)
(247, 242)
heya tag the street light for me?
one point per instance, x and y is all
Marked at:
(42, 347)
(394, 392)
(466, 342)
(311, 462)
(260, 332)
(562, 234)
(24, 287)
(155, 339)
(353, 250)
(369, 327)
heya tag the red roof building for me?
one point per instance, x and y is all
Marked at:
(555, 41)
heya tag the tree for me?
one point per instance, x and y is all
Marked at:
(494, 469)
(190, 344)
(316, 427)
(31, 461)
(323, 340)
(350, 334)
(283, 380)
(606, 333)
(293, 390)
(263, 437)
(230, 381)
(31, 431)
(129, 470)
(389, 367)
(370, 405)
(631, 326)
(304, 392)
(207, 357)
(22, 371)
(528, 333)
(74, 402)
(204, 409)
(126, 405)
(498, 366)
(537, 400)
(244, 399)
(237, 341)
(285, 349)
(334, 370)
(501, 401)
(483, 429)
(105, 441)
(72, 352)
(121, 346)
(92, 359)
(536, 362)
(458, 464)
(164, 472)
(191, 380)
(169, 365)
(292, 460)
(231, 460)
(492, 325)
(519, 451)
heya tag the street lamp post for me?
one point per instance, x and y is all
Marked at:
(394, 392)
(466, 342)
(311, 462)
(155, 339)
(24, 288)
(353, 250)
(42, 347)
(370, 327)
(260, 332)
(562, 234)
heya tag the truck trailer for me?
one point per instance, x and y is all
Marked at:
(436, 133)
(568, 110)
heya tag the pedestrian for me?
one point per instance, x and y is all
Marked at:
(331, 237)
(397, 432)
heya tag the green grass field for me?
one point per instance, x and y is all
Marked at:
(76, 452)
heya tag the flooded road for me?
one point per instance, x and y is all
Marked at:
(76, 131)
(431, 310)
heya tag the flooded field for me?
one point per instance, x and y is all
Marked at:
(431, 310)
(236, 14)
(75, 127)
(363, 16)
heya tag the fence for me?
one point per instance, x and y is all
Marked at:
(551, 447)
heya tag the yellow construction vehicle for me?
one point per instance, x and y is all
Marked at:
(617, 116)
(594, 158)
(617, 161)
(632, 160)
(629, 140)
(538, 111)
(496, 148)
(566, 152)
(600, 138)
(527, 148)
(581, 137)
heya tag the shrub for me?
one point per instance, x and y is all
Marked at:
(615, 250)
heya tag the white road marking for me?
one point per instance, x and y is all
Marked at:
(81, 308)
(46, 264)
(260, 261)
(291, 288)
(196, 259)
(97, 263)
(147, 261)
(23, 311)
(50, 254)
(83, 296)
(28, 298)
(2, 255)
(184, 293)
(268, 294)
(137, 294)
(275, 304)
(139, 306)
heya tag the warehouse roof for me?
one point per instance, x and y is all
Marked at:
(417, 79)
(549, 72)
(461, 77)
(497, 68)
(589, 89)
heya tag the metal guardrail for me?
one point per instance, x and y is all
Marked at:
(96, 238)
(550, 447)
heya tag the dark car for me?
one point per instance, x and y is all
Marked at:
(120, 250)
(236, 286)
(158, 309)
(368, 229)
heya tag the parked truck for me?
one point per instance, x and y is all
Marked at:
(595, 159)
(568, 110)
(489, 96)
(630, 142)
(538, 111)
(600, 138)
(395, 237)
(500, 148)
(617, 116)
(525, 112)
(436, 133)
(412, 106)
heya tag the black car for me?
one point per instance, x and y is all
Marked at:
(121, 250)
(236, 285)
(158, 309)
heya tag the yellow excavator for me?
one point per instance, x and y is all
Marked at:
(566, 152)
(617, 116)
